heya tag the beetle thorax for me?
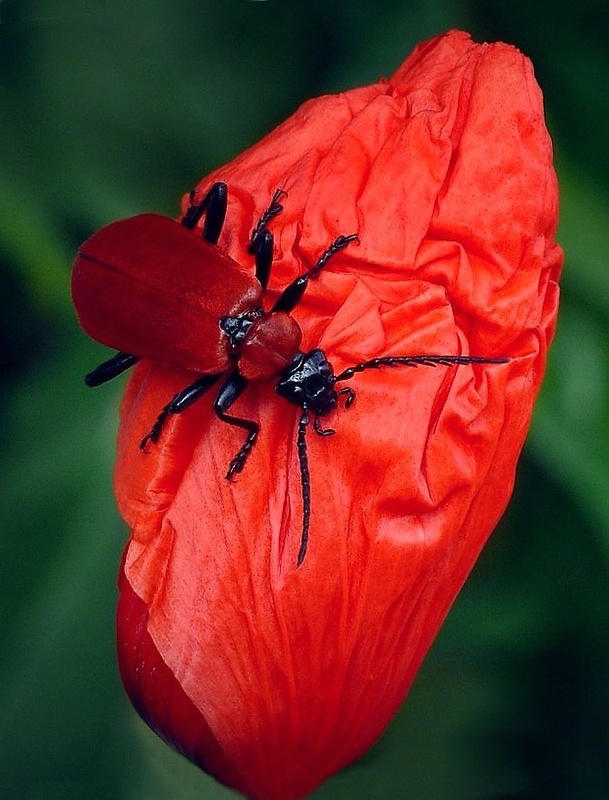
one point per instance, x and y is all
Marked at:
(262, 344)
(308, 382)
(237, 328)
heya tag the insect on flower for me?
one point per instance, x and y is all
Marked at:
(149, 288)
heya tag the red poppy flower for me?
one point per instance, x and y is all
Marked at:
(269, 676)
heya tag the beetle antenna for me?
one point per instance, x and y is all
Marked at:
(305, 484)
(416, 361)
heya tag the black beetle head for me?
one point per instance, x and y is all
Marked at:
(308, 382)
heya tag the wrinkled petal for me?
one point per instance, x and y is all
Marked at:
(273, 677)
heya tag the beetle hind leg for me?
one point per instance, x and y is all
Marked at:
(110, 369)
(273, 209)
(228, 393)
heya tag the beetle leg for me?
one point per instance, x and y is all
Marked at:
(349, 395)
(322, 431)
(228, 393)
(263, 251)
(292, 294)
(274, 208)
(261, 241)
(110, 369)
(213, 206)
(179, 403)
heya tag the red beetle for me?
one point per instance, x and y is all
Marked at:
(149, 262)
(208, 318)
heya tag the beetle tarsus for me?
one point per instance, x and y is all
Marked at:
(349, 395)
(154, 433)
(273, 209)
(338, 244)
(238, 462)
(322, 431)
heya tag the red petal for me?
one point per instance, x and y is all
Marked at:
(445, 173)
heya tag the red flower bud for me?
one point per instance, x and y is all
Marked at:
(272, 676)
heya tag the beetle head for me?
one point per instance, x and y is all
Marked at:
(308, 382)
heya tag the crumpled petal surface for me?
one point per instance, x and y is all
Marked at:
(273, 677)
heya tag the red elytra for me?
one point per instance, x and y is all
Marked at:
(147, 286)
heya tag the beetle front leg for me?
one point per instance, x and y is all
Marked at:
(179, 403)
(213, 206)
(228, 393)
(274, 208)
(263, 253)
(261, 241)
(292, 293)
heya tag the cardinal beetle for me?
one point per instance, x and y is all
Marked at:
(148, 286)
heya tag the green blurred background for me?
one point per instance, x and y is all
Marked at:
(109, 108)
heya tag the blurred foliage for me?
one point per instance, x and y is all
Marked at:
(109, 108)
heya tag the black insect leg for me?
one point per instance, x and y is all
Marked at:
(179, 403)
(110, 369)
(262, 250)
(228, 393)
(274, 208)
(213, 206)
(261, 242)
(322, 431)
(292, 294)
(349, 395)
